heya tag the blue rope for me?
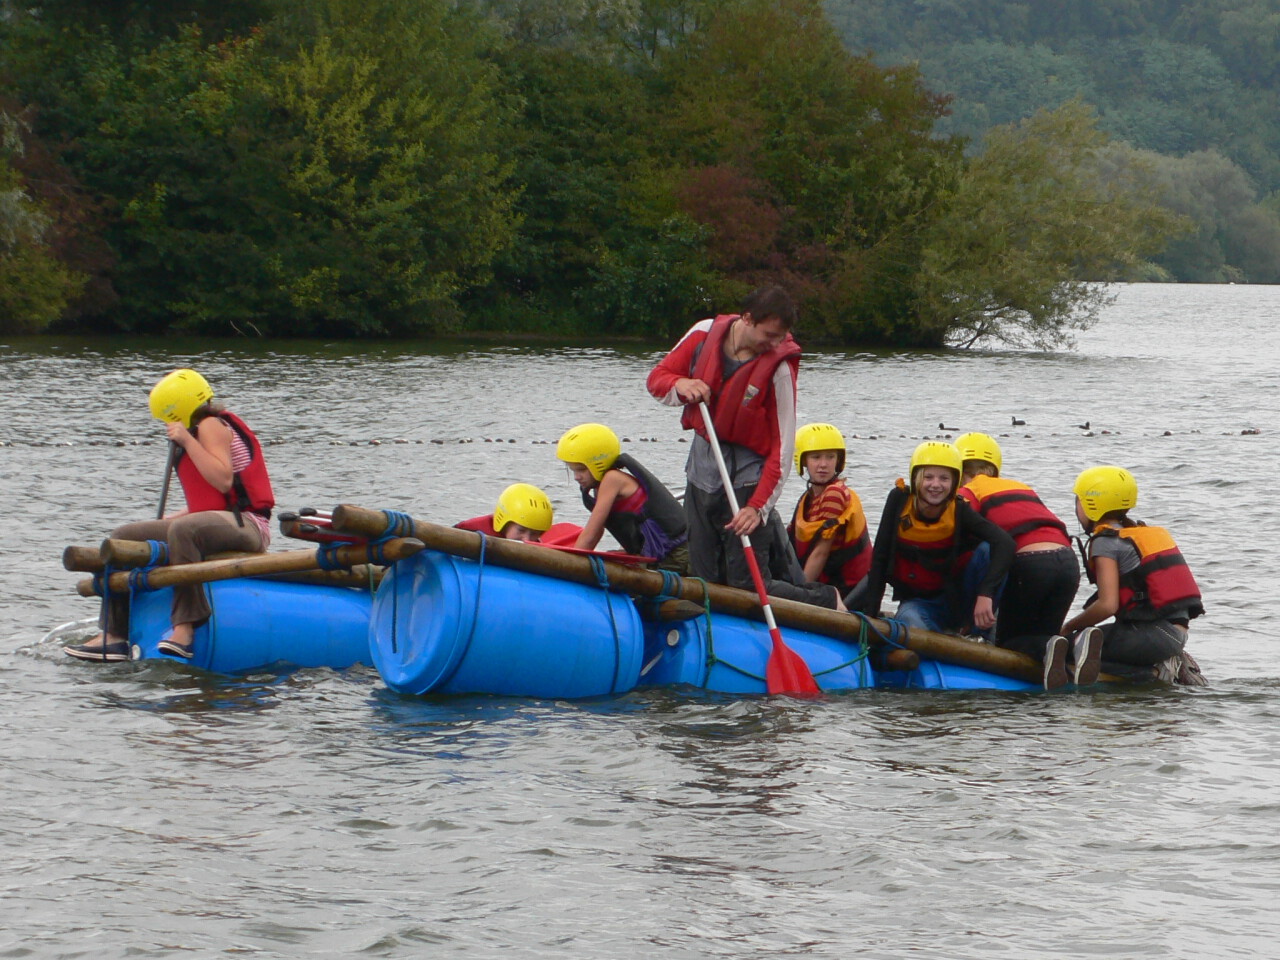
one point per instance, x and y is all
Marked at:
(602, 578)
(327, 556)
(399, 524)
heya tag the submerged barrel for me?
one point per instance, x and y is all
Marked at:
(443, 624)
(259, 623)
(729, 654)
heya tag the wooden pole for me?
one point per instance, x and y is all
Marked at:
(363, 576)
(637, 581)
(262, 564)
(125, 555)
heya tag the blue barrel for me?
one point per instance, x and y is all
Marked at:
(259, 623)
(442, 624)
(934, 675)
(730, 655)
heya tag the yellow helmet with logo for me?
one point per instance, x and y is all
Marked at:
(935, 453)
(592, 444)
(525, 504)
(1104, 489)
(819, 436)
(979, 446)
(179, 395)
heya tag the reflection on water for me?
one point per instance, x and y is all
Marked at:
(153, 810)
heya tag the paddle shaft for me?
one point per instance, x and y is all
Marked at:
(168, 473)
(786, 672)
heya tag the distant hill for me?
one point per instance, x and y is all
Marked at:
(1195, 82)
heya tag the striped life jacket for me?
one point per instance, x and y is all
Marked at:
(850, 558)
(1015, 509)
(926, 556)
(1161, 585)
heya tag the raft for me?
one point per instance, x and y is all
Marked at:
(475, 615)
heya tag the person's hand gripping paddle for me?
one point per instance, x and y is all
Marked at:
(786, 671)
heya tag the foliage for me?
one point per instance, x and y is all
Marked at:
(1180, 79)
(35, 287)
(1032, 221)
(808, 165)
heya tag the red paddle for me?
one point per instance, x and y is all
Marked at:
(786, 671)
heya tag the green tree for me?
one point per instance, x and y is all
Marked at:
(1032, 226)
(829, 158)
(35, 286)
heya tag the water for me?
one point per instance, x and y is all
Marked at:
(150, 811)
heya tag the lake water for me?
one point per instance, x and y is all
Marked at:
(152, 811)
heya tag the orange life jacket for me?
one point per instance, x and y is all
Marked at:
(1015, 509)
(850, 558)
(926, 554)
(1161, 584)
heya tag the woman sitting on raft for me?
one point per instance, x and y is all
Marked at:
(924, 544)
(624, 498)
(829, 529)
(1142, 580)
(229, 500)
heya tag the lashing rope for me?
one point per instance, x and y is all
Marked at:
(602, 578)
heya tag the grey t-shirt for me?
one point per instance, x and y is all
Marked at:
(744, 464)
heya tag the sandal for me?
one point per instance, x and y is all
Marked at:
(113, 651)
(175, 649)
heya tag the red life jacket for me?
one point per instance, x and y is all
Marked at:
(250, 488)
(481, 524)
(1162, 584)
(742, 407)
(1015, 509)
(926, 555)
(850, 558)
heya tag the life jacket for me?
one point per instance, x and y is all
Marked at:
(651, 522)
(1161, 585)
(742, 406)
(250, 488)
(926, 557)
(1015, 509)
(479, 524)
(850, 558)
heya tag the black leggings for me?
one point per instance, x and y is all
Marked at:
(1037, 598)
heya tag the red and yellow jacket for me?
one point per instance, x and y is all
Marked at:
(1162, 584)
(1015, 509)
(850, 558)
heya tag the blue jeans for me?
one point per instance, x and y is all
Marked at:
(936, 614)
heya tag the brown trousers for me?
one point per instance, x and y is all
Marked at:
(191, 537)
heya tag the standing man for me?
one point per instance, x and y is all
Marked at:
(745, 367)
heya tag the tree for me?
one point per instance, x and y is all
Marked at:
(35, 287)
(1030, 229)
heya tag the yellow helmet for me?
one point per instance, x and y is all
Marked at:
(819, 436)
(593, 444)
(175, 398)
(525, 504)
(935, 453)
(979, 446)
(1104, 489)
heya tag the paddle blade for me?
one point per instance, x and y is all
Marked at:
(787, 673)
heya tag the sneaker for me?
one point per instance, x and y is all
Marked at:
(1055, 663)
(1086, 654)
(175, 649)
(112, 652)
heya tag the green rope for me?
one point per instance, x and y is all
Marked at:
(712, 659)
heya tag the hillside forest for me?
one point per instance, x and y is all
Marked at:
(618, 168)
